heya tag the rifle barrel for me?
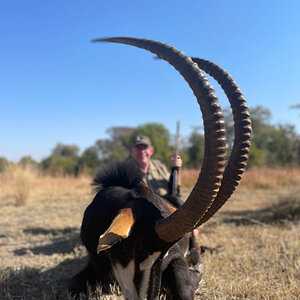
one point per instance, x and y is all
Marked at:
(177, 138)
(175, 172)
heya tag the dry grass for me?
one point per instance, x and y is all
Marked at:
(255, 178)
(271, 178)
(256, 262)
(253, 242)
(188, 177)
(20, 179)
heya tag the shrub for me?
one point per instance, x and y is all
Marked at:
(3, 164)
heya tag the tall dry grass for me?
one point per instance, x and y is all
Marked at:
(18, 180)
(271, 178)
(252, 242)
(21, 185)
(188, 177)
(263, 178)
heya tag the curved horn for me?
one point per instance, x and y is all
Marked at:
(242, 129)
(205, 190)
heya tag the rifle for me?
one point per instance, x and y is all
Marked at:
(175, 171)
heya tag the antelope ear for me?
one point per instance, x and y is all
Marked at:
(119, 229)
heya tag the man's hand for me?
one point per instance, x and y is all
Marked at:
(176, 162)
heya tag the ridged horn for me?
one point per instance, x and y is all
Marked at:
(205, 190)
(242, 130)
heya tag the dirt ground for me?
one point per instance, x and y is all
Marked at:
(250, 248)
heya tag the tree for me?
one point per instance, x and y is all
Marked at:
(89, 161)
(256, 157)
(260, 117)
(195, 150)
(105, 148)
(65, 150)
(272, 145)
(27, 160)
(63, 160)
(229, 126)
(295, 106)
(116, 147)
(280, 147)
(3, 164)
(120, 135)
(59, 165)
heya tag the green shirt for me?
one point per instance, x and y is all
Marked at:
(157, 177)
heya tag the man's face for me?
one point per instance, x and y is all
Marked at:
(141, 154)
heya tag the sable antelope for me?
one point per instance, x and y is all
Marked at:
(132, 236)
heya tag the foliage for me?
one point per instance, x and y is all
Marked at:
(89, 161)
(256, 157)
(228, 119)
(28, 160)
(195, 150)
(59, 165)
(3, 164)
(63, 160)
(121, 135)
(117, 146)
(274, 146)
(109, 149)
(65, 150)
(271, 145)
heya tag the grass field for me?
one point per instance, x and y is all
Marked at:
(252, 244)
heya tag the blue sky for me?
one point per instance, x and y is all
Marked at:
(57, 86)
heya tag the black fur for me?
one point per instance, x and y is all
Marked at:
(123, 174)
(120, 186)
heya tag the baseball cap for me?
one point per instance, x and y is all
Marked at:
(141, 140)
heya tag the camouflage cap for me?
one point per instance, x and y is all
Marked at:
(141, 140)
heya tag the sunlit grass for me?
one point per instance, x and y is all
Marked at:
(253, 240)
(254, 178)
(20, 180)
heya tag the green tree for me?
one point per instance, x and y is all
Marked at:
(59, 165)
(256, 157)
(65, 150)
(272, 145)
(279, 148)
(28, 160)
(120, 135)
(229, 126)
(3, 164)
(106, 147)
(89, 161)
(63, 160)
(116, 147)
(195, 149)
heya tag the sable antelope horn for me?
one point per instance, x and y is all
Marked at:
(205, 190)
(242, 130)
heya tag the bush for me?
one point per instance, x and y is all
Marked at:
(60, 165)
(3, 164)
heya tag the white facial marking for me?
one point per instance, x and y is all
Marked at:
(167, 253)
(146, 266)
(149, 261)
(125, 277)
